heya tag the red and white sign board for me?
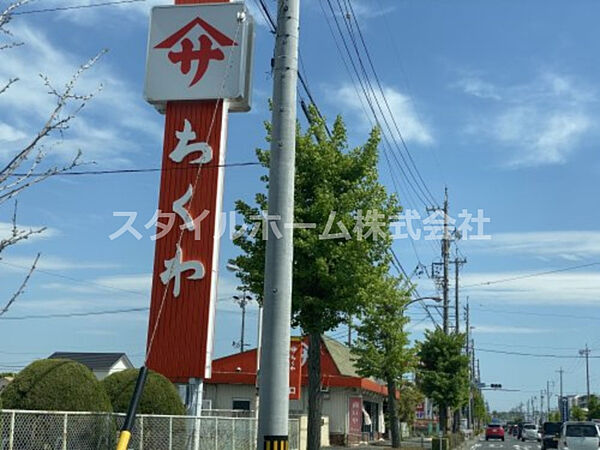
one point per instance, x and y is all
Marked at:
(295, 368)
(355, 406)
(200, 52)
(184, 284)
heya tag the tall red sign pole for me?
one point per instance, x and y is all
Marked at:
(198, 69)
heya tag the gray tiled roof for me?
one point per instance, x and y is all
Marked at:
(94, 361)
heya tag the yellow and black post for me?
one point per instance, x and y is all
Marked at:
(125, 433)
(276, 443)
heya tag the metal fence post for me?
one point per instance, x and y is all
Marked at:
(65, 420)
(233, 434)
(11, 437)
(141, 432)
(216, 433)
(171, 433)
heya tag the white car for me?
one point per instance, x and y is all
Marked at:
(530, 432)
(579, 436)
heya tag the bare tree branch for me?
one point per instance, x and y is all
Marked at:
(18, 234)
(9, 84)
(21, 289)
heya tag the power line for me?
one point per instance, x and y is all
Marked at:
(532, 275)
(133, 171)
(526, 313)
(71, 7)
(535, 355)
(81, 314)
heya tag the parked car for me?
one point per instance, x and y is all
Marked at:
(495, 431)
(530, 432)
(579, 436)
(550, 434)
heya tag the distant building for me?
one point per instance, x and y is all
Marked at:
(101, 364)
(353, 404)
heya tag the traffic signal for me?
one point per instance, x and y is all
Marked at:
(496, 386)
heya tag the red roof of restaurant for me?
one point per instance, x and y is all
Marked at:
(337, 368)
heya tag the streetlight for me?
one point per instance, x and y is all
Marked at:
(419, 299)
(242, 301)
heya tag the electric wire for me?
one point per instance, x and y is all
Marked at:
(532, 275)
(72, 7)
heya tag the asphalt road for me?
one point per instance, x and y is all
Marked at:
(510, 443)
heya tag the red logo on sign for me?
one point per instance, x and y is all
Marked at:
(203, 55)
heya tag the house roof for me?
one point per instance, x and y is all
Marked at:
(337, 369)
(342, 357)
(94, 361)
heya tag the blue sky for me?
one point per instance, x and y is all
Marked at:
(498, 100)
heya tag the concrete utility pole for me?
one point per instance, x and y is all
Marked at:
(561, 371)
(445, 261)
(274, 364)
(471, 383)
(586, 352)
(458, 262)
(548, 399)
(242, 302)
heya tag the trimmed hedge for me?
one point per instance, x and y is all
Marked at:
(160, 395)
(56, 385)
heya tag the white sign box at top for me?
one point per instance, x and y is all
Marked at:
(200, 52)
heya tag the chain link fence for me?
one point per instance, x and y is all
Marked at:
(49, 430)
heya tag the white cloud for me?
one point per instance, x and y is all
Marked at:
(541, 122)
(126, 119)
(569, 245)
(6, 232)
(10, 134)
(508, 329)
(51, 263)
(402, 113)
(567, 289)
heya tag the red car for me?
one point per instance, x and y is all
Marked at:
(494, 431)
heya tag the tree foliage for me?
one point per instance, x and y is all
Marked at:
(337, 189)
(410, 397)
(593, 408)
(159, 397)
(381, 348)
(480, 412)
(444, 370)
(578, 413)
(334, 185)
(56, 385)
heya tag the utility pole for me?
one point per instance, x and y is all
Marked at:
(561, 371)
(458, 262)
(542, 405)
(548, 399)
(445, 258)
(274, 365)
(471, 377)
(242, 302)
(586, 352)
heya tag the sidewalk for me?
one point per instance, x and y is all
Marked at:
(409, 443)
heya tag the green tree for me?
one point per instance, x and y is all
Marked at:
(593, 408)
(159, 397)
(480, 413)
(56, 385)
(444, 371)
(410, 398)
(337, 189)
(578, 413)
(382, 344)
(554, 416)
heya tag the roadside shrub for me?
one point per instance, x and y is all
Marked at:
(55, 385)
(160, 395)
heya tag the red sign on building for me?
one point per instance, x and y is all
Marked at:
(355, 415)
(295, 368)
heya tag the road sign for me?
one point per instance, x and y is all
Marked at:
(200, 52)
(295, 367)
